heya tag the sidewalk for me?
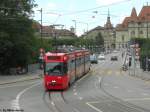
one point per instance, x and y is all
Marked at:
(8, 79)
(138, 72)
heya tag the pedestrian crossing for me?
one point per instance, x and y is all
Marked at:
(116, 72)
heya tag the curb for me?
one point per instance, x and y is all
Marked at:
(22, 80)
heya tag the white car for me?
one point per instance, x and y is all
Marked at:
(101, 57)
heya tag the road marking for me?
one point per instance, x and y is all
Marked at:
(106, 84)
(129, 91)
(80, 98)
(99, 79)
(9, 86)
(109, 72)
(145, 94)
(117, 73)
(74, 90)
(15, 102)
(98, 110)
(116, 87)
(75, 93)
(52, 103)
(147, 82)
(137, 99)
(83, 77)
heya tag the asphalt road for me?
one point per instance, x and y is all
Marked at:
(104, 89)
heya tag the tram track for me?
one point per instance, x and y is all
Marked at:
(128, 107)
(107, 100)
(56, 102)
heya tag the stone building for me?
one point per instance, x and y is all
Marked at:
(50, 31)
(134, 26)
(107, 31)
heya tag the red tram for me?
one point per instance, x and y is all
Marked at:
(61, 69)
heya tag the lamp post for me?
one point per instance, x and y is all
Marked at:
(41, 11)
(86, 25)
(147, 39)
(75, 23)
(55, 33)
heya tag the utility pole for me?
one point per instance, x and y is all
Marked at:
(56, 34)
(41, 20)
(75, 22)
(147, 39)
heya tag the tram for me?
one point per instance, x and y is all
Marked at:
(63, 67)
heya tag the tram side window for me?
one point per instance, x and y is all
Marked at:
(82, 60)
(87, 59)
(71, 64)
(78, 62)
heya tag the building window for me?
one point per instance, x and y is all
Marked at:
(141, 32)
(122, 45)
(122, 37)
(132, 33)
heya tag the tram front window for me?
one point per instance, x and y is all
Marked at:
(56, 68)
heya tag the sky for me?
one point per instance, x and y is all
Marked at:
(87, 14)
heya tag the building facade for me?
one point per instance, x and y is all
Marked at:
(134, 26)
(107, 32)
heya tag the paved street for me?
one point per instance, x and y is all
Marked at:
(104, 89)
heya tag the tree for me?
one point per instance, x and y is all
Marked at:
(99, 40)
(16, 33)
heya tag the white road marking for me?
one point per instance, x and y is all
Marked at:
(145, 94)
(75, 93)
(98, 110)
(99, 79)
(15, 102)
(80, 98)
(76, 110)
(137, 99)
(9, 86)
(74, 86)
(53, 103)
(129, 91)
(106, 84)
(83, 77)
(116, 87)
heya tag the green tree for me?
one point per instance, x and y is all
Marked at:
(99, 40)
(16, 33)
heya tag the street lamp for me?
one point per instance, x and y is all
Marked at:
(75, 23)
(55, 34)
(147, 39)
(86, 25)
(41, 11)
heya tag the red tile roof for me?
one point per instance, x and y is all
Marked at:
(133, 13)
(144, 15)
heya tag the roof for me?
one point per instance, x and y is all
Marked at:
(133, 13)
(143, 16)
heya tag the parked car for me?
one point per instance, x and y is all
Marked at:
(93, 59)
(101, 57)
(114, 58)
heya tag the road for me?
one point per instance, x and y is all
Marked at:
(104, 89)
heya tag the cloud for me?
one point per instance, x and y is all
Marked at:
(107, 2)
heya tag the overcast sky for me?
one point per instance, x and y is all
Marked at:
(87, 13)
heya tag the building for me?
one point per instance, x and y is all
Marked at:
(107, 31)
(134, 26)
(50, 31)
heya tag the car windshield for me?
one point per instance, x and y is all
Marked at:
(56, 68)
